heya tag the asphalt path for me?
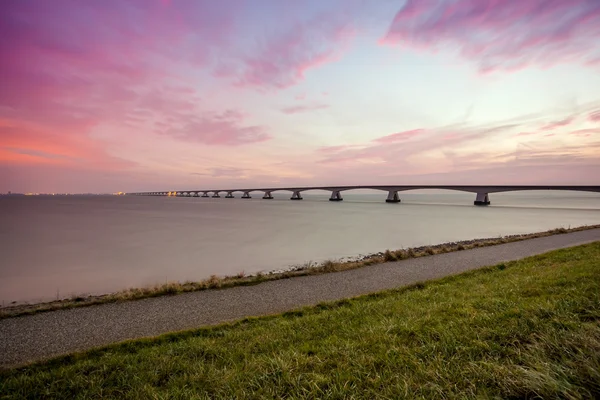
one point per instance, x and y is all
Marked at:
(41, 336)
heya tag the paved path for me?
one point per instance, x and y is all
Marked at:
(36, 337)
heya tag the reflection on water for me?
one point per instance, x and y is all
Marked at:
(77, 245)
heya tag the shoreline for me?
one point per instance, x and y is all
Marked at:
(483, 325)
(241, 279)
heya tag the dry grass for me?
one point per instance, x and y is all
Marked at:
(241, 279)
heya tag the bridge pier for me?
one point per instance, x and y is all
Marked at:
(482, 199)
(196, 194)
(268, 196)
(216, 194)
(296, 196)
(246, 195)
(392, 197)
(336, 196)
(205, 194)
(229, 195)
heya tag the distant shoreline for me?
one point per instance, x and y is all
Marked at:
(242, 279)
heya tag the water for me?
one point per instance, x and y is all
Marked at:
(64, 246)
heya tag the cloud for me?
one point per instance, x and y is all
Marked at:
(24, 143)
(284, 58)
(76, 68)
(303, 108)
(585, 132)
(502, 35)
(39, 153)
(400, 136)
(558, 124)
(224, 172)
(222, 129)
(334, 149)
(433, 149)
(227, 172)
(594, 116)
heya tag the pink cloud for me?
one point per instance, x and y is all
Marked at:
(451, 136)
(502, 35)
(399, 137)
(24, 143)
(585, 132)
(303, 108)
(594, 116)
(558, 124)
(224, 129)
(81, 67)
(285, 58)
(470, 140)
(334, 149)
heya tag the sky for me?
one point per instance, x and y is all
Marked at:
(142, 95)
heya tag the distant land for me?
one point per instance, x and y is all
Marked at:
(61, 194)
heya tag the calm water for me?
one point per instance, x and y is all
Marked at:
(80, 245)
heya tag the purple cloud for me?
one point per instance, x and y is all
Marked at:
(283, 59)
(502, 35)
(224, 129)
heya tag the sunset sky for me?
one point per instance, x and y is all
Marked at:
(136, 95)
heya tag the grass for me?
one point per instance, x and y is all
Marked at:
(241, 279)
(524, 329)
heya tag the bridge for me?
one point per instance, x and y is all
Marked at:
(481, 192)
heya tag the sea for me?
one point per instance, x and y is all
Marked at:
(61, 246)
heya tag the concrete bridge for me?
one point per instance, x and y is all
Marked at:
(481, 192)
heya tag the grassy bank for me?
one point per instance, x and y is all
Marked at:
(214, 282)
(517, 330)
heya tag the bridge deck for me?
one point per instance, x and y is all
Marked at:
(482, 191)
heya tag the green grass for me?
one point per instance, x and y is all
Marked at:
(216, 282)
(525, 329)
